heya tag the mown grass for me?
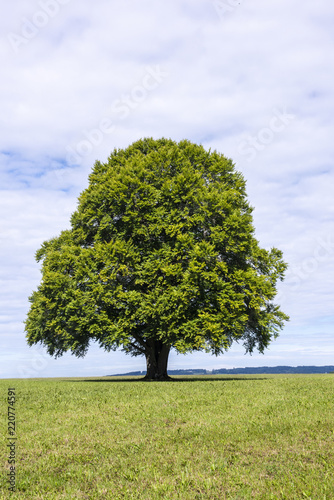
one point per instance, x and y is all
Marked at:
(230, 437)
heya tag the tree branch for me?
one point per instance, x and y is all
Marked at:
(137, 348)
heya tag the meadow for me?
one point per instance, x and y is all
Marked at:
(211, 437)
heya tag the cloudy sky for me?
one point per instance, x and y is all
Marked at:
(249, 78)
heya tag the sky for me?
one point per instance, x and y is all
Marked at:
(249, 78)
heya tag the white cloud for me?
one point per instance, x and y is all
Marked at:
(226, 77)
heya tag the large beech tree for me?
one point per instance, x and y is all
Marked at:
(161, 254)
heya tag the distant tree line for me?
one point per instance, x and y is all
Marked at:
(240, 371)
(199, 371)
(276, 369)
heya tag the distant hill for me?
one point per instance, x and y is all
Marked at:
(276, 369)
(240, 371)
(170, 372)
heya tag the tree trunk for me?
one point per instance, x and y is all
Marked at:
(156, 361)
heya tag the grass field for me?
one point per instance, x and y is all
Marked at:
(222, 437)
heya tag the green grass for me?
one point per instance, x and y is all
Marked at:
(230, 437)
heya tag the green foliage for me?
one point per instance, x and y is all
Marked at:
(161, 247)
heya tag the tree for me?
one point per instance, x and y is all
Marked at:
(161, 254)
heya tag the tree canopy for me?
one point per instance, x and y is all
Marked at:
(161, 254)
